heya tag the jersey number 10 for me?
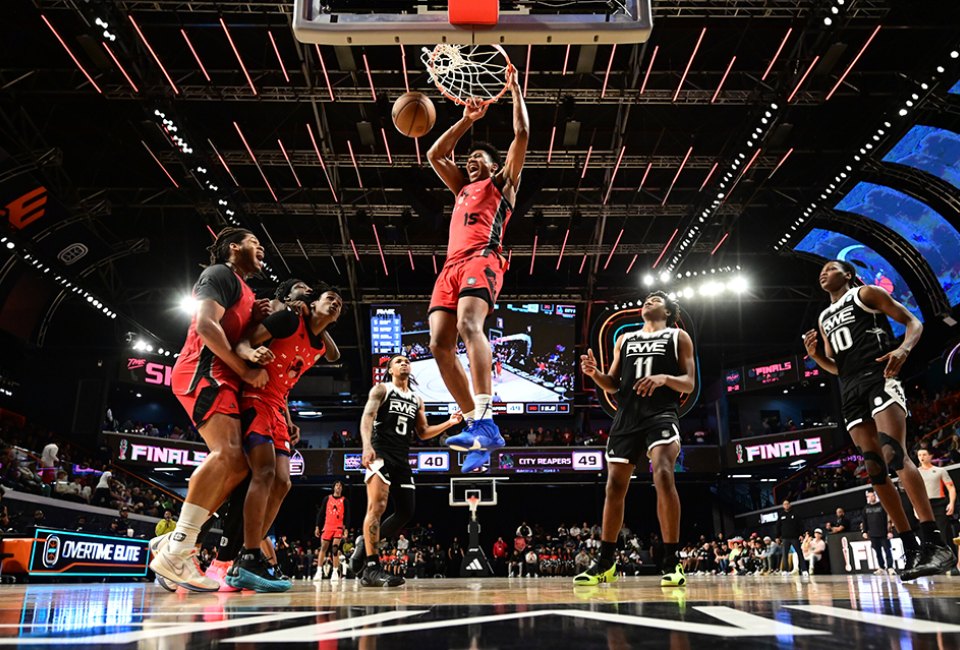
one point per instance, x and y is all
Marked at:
(841, 339)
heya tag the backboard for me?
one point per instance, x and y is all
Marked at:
(425, 22)
(462, 489)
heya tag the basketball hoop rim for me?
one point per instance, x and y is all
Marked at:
(457, 100)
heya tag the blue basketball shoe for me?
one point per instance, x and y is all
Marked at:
(466, 440)
(476, 462)
(488, 434)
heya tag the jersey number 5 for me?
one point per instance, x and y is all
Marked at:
(644, 367)
(841, 339)
(401, 426)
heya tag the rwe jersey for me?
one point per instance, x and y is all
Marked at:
(858, 334)
(643, 354)
(395, 422)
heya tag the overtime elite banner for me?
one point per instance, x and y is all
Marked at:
(67, 553)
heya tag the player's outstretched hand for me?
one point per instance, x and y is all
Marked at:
(895, 360)
(474, 109)
(455, 419)
(261, 309)
(256, 377)
(299, 306)
(647, 385)
(588, 363)
(810, 342)
(261, 356)
(369, 455)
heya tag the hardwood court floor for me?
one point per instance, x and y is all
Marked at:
(746, 612)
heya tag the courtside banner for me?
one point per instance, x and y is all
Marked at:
(66, 553)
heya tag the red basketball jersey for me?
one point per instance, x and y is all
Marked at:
(333, 517)
(295, 355)
(479, 220)
(196, 360)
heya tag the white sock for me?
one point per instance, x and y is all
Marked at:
(469, 415)
(192, 519)
(483, 409)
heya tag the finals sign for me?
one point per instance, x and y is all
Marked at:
(784, 449)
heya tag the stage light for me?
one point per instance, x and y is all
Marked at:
(827, 21)
(954, 54)
(148, 347)
(665, 276)
(188, 305)
(648, 280)
(11, 245)
(738, 284)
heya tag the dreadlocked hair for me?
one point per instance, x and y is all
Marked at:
(673, 307)
(851, 269)
(220, 249)
(388, 376)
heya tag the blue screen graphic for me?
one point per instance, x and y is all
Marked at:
(923, 227)
(927, 148)
(956, 89)
(872, 268)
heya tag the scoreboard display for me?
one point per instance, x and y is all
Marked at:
(779, 371)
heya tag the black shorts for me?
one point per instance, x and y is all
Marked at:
(867, 393)
(393, 472)
(632, 445)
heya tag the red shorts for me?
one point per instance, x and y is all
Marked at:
(262, 422)
(480, 276)
(207, 399)
(330, 534)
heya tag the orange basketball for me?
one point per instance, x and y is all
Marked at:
(413, 114)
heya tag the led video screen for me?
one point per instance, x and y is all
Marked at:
(920, 225)
(956, 89)
(532, 343)
(929, 149)
(872, 268)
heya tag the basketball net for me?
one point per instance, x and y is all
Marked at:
(473, 502)
(462, 72)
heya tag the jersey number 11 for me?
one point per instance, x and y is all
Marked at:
(644, 367)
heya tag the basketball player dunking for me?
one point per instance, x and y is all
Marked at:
(206, 379)
(333, 515)
(295, 343)
(472, 275)
(651, 367)
(858, 347)
(392, 413)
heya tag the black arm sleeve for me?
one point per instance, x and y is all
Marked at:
(322, 514)
(219, 283)
(281, 324)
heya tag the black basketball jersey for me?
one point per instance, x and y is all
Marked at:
(395, 422)
(643, 354)
(858, 334)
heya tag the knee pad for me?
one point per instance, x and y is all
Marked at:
(896, 453)
(876, 467)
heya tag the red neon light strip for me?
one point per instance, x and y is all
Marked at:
(646, 77)
(157, 160)
(323, 66)
(720, 243)
(782, 160)
(403, 60)
(355, 253)
(196, 56)
(709, 176)
(416, 143)
(366, 64)
(376, 236)
(386, 144)
(323, 165)
(533, 257)
(213, 234)
(676, 176)
(566, 58)
(223, 162)
(606, 77)
(583, 263)
(632, 262)
(509, 258)
(667, 246)
(70, 52)
(276, 51)
(803, 78)
(176, 91)
(689, 63)
(645, 173)
(586, 162)
(722, 80)
(354, 159)
(852, 63)
(410, 255)
(526, 72)
(563, 248)
(236, 53)
(289, 164)
(434, 263)
(553, 134)
(613, 250)
(122, 69)
(256, 162)
(613, 176)
(777, 54)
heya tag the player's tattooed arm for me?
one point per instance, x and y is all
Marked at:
(377, 394)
